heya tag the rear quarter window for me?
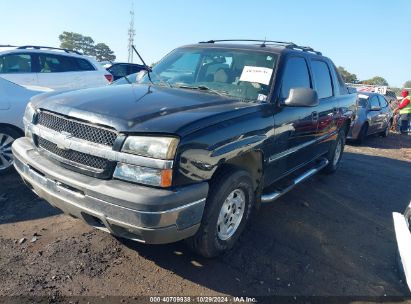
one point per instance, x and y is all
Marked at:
(84, 65)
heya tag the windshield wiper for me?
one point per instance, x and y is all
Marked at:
(150, 70)
(204, 88)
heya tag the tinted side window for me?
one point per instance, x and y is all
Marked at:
(15, 63)
(322, 77)
(56, 64)
(374, 102)
(383, 102)
(135, 69)
(83, 65)
(295, 76)
(341, 84)
(118, 70)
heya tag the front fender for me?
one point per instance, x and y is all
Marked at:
(203, 152)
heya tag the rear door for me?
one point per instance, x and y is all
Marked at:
(18, 68)
(374, 115)
(58, 72)
(385, 113)
(328, 107)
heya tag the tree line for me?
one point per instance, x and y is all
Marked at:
(85, 44)
(377, 80)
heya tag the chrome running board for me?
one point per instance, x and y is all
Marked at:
(269, 197)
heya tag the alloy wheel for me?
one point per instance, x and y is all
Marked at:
(6, 156)
(231, 214)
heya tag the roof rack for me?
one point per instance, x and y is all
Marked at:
(37, 47)
(290, 45)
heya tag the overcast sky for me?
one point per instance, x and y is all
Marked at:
(368, 38)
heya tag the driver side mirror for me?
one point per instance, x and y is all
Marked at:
(302, 97)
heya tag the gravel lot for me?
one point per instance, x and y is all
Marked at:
(329, 236)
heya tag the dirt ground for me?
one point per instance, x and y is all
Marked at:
(329, 236)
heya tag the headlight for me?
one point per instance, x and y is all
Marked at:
(143, 175)
(28, 118)
(155, 147)
(29, 113)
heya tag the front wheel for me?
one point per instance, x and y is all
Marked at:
(7, 137)
(335, 153)
(227, 211)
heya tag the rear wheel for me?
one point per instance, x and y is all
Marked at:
(7, 137)
(386, 132)
(335, 153)
(227, 211)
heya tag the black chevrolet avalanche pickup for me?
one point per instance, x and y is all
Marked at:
(188, 151)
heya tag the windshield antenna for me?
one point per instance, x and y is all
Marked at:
(149, 69)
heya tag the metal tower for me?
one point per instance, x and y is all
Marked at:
(131, 34)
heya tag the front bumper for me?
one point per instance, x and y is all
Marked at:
(402, 226)
(124, 209)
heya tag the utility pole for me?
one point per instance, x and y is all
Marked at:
(131, 34)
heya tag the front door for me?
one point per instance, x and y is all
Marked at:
(294, 127)
(18, 68)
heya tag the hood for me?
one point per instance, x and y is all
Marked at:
(142, 108)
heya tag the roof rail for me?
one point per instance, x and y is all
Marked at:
(37, 47)
(249, 40)
(290, 45)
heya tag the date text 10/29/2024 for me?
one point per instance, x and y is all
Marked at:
(202, 299)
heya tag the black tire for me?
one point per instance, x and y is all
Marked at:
(363, 134)
(386, 132)
(5, 148)
(332, 157)
(206, 242)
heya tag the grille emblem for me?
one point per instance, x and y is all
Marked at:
(63, 140)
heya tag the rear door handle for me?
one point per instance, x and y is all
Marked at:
(314, 116)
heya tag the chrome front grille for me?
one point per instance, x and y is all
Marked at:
(73, 128)
(77, 129)
(72, 157)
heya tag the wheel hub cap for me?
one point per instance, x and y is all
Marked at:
(6, 156)
(231, 214)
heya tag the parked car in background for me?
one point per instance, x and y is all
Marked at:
(119, 70)
(374, 115)
(54, 68)
(13, 101)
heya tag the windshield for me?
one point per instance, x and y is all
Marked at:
(236, 73)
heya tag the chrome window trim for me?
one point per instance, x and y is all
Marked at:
(99, 150)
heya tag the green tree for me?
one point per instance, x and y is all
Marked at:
(103, 52)
(71, 41)
(347, 76)
(377, 80)
(85, 44)
(407, 84)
